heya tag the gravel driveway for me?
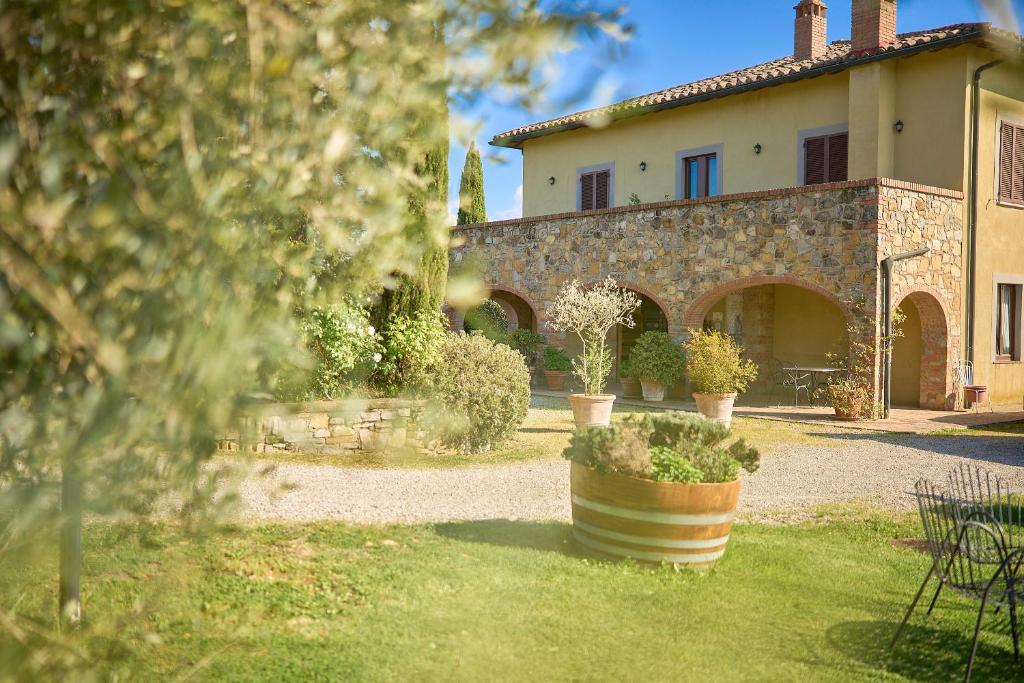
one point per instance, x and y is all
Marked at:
(879, 470)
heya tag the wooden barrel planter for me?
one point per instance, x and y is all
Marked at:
(651, 521)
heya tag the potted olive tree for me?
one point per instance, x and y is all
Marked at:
(718, 372)
(590, 314)
(657, 363)
(657, 488)
(556, 367)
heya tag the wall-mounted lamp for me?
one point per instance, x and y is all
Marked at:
(899, 126)
(551, 180)
(643, 166)
(757, 148)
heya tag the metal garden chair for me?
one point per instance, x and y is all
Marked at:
(970, 556)
(963, 373)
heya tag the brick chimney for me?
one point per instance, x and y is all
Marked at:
(809, 39)
(874, 25)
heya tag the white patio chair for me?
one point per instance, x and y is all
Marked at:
(975, 393)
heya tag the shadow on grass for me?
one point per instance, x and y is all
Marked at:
(545, 430)
(926, 651)
(553, 537)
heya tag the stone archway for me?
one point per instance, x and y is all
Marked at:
(520, 311)
(703, 303)
(779, 321)
(930, 330)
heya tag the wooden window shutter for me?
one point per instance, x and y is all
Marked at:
(1006, 135)
(1011, 163)
(587, 191)
(814, 161)
(1017, 172)
(602, 187)
(838, 157)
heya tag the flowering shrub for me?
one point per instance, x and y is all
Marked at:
(656, 358)
(591, 313)
(483, 391)
(345, 348)
(715, 364)
(411, 349)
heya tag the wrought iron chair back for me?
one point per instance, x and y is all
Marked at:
(970, 552)
(987, 497)
(953, 561)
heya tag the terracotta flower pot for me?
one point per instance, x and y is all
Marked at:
(851, 415)
(717, 407)
(555, 379)
(653, 391)
(650, 521)
(592, 410)
(630, 387)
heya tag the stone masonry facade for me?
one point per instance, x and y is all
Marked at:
(687, 255)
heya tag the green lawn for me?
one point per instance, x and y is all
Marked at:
(1001, 429)
(545, 434)
(501, 600)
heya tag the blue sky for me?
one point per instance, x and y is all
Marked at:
(675, 41)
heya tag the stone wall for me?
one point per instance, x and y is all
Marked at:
(688, 255)
(339, 427)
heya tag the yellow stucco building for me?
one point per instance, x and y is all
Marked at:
(787, 186)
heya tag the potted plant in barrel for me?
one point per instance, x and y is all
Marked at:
(657, 363)
(630, 384)
(718, 372)
(556, 367)
(590, 314)
(657, 488)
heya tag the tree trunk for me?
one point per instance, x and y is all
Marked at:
(71, 545)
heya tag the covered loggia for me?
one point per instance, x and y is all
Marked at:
(779, 325)
(920, 354)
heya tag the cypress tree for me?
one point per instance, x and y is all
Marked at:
(471, 189)
(424, 290)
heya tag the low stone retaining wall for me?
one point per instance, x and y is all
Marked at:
(340, 427)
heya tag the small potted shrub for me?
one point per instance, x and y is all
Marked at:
(591, 313)
(630, 384)
(556, 367)
(657, 488)
(527, 343)
(718, 373)
(657, 363)
(849, 397)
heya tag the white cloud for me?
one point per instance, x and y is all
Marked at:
(513, 211)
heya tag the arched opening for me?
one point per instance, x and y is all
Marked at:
(518, 310)
(920, 356)
(649, 317)
(780, 325)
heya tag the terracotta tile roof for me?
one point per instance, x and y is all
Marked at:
(837, 57)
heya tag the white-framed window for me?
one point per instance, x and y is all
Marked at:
(1008, 299)
(595, 187)
(823, 155)
(699, 172)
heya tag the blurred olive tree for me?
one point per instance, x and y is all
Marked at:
(176, 178)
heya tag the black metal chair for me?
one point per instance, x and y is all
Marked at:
(783, 381)
(970, 555)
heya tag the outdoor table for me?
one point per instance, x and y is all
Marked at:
(815, 372)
